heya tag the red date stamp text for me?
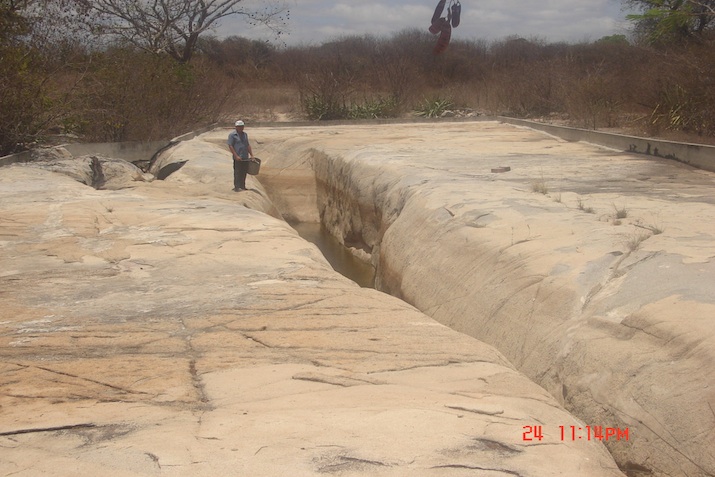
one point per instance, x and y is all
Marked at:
(576, 433)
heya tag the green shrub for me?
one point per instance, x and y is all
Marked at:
(434, 108)
(378, 108)
(317, 108)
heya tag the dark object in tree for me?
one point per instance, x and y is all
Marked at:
(443, 25)
(438, 11)
(445, 34)
(456, 12)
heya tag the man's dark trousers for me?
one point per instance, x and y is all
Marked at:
(240, 169)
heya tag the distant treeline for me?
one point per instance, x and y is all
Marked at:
(71, 85)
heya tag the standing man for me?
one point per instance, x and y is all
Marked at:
(242, 153)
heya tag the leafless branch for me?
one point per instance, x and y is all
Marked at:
(172, 26)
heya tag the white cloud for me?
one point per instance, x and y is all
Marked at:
(317, 21)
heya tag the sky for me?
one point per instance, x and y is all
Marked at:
(313, 22)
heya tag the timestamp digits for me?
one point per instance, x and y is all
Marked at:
(576, 433)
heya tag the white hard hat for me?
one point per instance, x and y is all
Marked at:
(239, 123)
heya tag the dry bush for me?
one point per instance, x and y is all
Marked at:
(340, 81)
(22, 99)
(267, 103)
(415, 47)
(681, 94)
(520, 80)
(598, 83)
(396, 73)
(118, 94)
(131, 95)
(593, 100)
(250, 61)
(327, 86)
(34, 52)
(522, 91)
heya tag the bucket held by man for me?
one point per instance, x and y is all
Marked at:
(254, 165)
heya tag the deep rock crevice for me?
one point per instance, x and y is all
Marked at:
(539, 320)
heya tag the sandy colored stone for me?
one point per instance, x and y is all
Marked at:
(613, 316)
(178, 328)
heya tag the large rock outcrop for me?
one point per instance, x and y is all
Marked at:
(171, 328)
(590, 269)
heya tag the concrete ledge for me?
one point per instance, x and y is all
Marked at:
(696, 155)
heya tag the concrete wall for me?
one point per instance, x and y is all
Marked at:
(696, 155)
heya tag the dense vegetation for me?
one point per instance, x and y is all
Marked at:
(56, 79)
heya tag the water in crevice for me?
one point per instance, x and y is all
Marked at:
(337, 254)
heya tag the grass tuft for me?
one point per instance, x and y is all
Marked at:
(582, 206)
(621, 213)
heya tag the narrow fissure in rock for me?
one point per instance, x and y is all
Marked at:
(346, 212)
(338, 255)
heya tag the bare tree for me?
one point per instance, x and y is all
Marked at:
(39, 21)
(41, 58)
(174, 26)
